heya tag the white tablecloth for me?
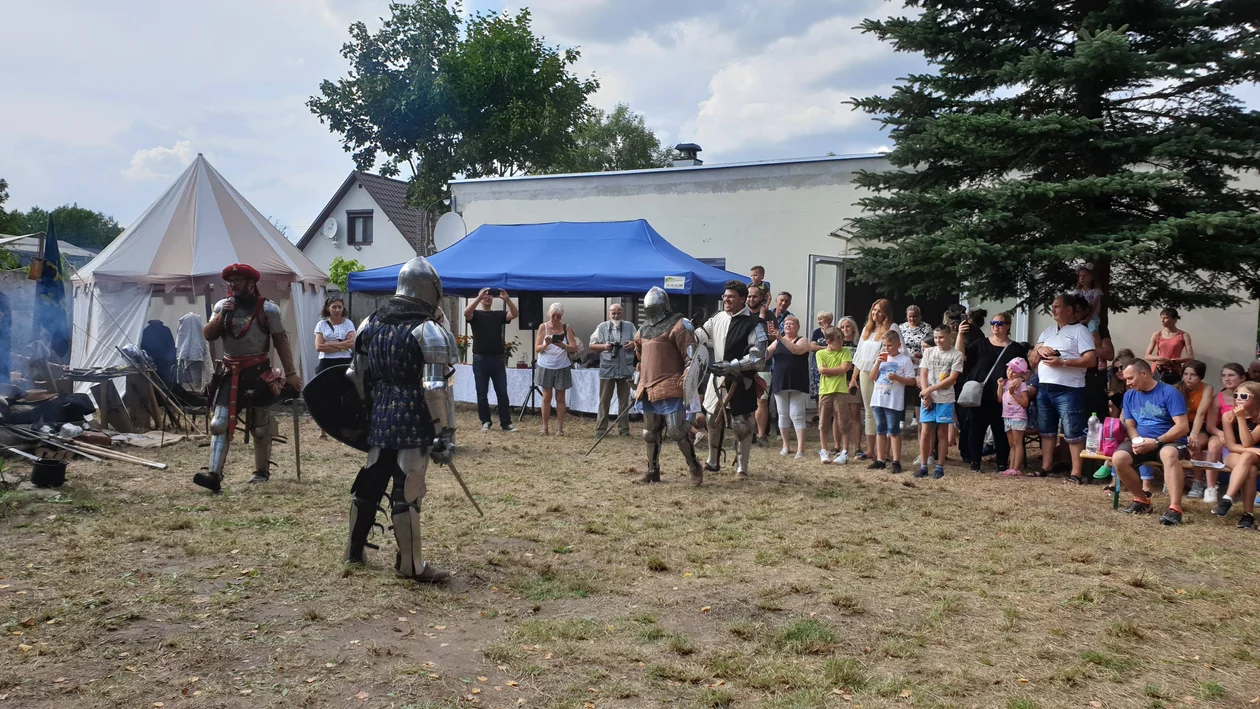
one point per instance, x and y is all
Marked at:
(584, 396)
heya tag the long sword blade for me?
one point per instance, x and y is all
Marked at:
(450, 463)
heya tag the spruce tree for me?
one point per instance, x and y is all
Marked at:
(1051, 133)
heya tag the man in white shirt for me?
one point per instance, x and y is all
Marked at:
(1063, 352)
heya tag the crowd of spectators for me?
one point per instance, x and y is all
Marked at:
(961, 385)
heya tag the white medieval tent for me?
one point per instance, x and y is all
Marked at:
(168, 263)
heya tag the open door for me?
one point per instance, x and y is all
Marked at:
(826, 289)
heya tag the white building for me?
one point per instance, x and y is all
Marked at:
(784, 215)
(367, 220)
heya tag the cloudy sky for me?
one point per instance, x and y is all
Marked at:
(106, 102)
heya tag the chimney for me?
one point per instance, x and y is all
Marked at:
(687, 155)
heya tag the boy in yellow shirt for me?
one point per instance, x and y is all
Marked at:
(834, 364)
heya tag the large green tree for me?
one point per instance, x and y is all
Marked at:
(619, 140)
(75, 225)
(1054, 132)
(492, 100)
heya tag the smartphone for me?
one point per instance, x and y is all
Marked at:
(494, 292)
(557, 339)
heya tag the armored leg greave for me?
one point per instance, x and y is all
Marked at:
(262, 431)
(366, 493)
(405, 512)
(743, 427)
(653, 426)
(220, 440)
(716, 425)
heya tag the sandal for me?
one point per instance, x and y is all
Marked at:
(1037, 474)
(1073, 480)
(1011, 473)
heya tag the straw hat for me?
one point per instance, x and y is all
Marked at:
(36, 395)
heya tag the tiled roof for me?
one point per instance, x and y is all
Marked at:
(391, 196)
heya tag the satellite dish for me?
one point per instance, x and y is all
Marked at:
(449, 229)
(329, 229)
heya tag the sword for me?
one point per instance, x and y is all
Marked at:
(449, 461)
(617, 420)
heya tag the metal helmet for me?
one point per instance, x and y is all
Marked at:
(655, 305)
(418, 280)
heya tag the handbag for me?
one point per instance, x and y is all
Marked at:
(973, 392)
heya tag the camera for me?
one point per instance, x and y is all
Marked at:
(494, 292)
(615, 346)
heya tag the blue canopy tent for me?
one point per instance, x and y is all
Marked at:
(590, 259)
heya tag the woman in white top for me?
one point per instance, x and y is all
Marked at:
(878, 323)
(553, 371)
(334, 337)
(1063, 353)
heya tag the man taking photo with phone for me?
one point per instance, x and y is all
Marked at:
(489, 355)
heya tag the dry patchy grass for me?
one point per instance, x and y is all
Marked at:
(807, 586)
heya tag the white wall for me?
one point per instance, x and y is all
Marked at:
(388, 246)
(772, 214)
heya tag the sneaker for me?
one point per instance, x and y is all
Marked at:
(1138, 508)
(922, 472)
(485, 426)
(842, 458)
(799, 455)
(861, 455)
(1196, 491)
(510, 429)
(1210, 496)
(1247, 521)
(930, 461)
(975, 467)
(877, 465)
(895, 467)
(783, 450)
(1170, 517)
(917, 461)
(822, 455)
(938, 473)
(1222, 507)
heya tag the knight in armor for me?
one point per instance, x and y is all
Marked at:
(738, 340)
(402, 360)
(666, 343)
(248, 324)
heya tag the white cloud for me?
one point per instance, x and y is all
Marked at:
(797, 86)
(160, 163)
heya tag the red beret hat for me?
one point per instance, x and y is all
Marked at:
(240, 270)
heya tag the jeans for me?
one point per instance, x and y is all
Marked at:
(487, 368)
(1056, 403)
(888, 421)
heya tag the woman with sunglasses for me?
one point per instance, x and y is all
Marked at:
(983, 355)
(1242, 439)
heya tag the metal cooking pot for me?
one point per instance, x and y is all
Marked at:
(48, 473)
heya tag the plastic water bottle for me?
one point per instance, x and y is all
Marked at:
(1093, 436)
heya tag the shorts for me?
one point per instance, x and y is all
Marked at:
(1152, 456)
(888, 421)
(1061, 404)
(765, 377)
(1015, 424)
(939, 413)
(561, 379)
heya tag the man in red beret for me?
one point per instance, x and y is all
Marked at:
(248, 324)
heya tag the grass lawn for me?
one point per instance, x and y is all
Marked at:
(807, 586)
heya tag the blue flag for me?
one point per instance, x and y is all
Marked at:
(50, 292)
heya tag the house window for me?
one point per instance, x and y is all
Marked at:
(359, 227)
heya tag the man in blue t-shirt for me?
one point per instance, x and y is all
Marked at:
(1155, 417)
